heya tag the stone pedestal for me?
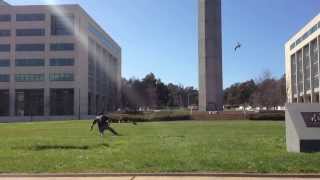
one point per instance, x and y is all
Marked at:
(303, 127)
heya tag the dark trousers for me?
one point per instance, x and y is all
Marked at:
(110, 129)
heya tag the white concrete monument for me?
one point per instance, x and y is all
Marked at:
(303, 127)
(210, 56)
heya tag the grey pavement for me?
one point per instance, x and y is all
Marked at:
(155, 178)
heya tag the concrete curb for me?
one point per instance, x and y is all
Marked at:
(243, 175)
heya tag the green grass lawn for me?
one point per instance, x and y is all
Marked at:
(222, 146)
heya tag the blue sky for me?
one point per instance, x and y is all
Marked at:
(160, 36)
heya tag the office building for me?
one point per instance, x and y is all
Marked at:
(56, 61)
(302, 64)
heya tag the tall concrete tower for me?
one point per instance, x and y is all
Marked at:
(210, 56)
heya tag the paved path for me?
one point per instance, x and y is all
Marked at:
(154, 178)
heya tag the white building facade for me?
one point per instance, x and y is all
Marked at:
(56, 61)
(302, 64)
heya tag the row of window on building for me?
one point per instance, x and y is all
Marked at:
(38, 62)
(23, 17)
(305, 68)
(31, 102)
(23, 32)
(60, 25)
(103, 39)
(38, 47)
(38, 77)
(99, 79)
(305, 35)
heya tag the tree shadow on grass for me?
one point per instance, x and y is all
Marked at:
(62, 147)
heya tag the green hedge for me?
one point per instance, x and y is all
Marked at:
(185, 115)
(151, 117)
(273, 116)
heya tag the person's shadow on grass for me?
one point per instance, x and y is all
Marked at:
(62, 147)
(59, 147)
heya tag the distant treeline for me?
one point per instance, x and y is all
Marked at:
(151, 92)
(266, 91)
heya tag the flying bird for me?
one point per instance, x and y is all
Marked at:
(237, 46)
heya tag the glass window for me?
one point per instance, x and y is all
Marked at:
(91, 64)
(5, 17)
(306, 64)
(294, 88)
(61, 77)
(314, 61)
(4, 78)
(293, 74)
(91, 83)
(5, 33)
(30, 32)
(103, 39)
(29, 102)
(30, 17)
(307, 34)
(61, 62)
(62, 25)
(313, 29)
(5, 48)
(4, 62)
(30, 47)
(62, 47)
(4, 103)
(299, 41)
(293, 64)
(29, 62)
(300, 70)
(61, 102)
(292, 45)
(29, 77)
(316, 81)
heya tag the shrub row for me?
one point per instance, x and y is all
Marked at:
(273, 116)
(151, 117)
(184, 115)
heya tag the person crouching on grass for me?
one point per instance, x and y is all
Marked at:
(103, 124)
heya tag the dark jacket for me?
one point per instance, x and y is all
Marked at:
(102, 121)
